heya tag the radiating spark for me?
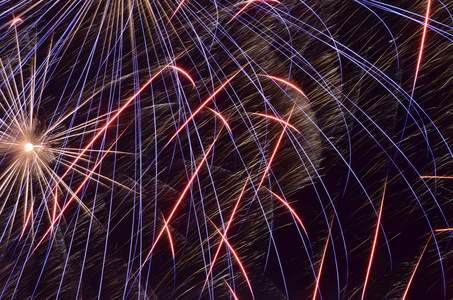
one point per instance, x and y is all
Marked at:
(74, 195)
(84, 150)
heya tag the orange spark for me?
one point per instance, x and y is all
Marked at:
(184, 73)
(415, 269)
(443, 229)
(436, 177)
(375, 241)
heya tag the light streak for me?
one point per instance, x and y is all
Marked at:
(169, 237)
(422, 46)
(238, 260)
(231, 290)
(292, 85)
(444, 230)
(415, 269)
(221, 118)
(247, 4)
(184, 73)
(278, 120)
(219, 247)
(179, 201)
(15, 21)
(436, 177)
(209, 99)
(321, 265)
(378, 223)
(291, 210)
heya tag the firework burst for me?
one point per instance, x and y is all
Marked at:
(220, 150)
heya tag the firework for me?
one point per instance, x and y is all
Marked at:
(225, 150)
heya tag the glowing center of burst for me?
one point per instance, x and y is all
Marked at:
(28, 147)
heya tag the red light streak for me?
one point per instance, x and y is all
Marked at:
(225, 233)
(241, 266)
(74, 194)
(287, 83)
(231, 290)
(278, 120)
(415, 269)
(254, 196)
(169, 237)
(291, 210)
(221, 118)
(420, 53)
(179, 201)
(374, 242)
(321, 265)
(247, 5)
(203, 105)
(184, 73)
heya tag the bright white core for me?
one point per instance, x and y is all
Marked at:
(28, 147)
